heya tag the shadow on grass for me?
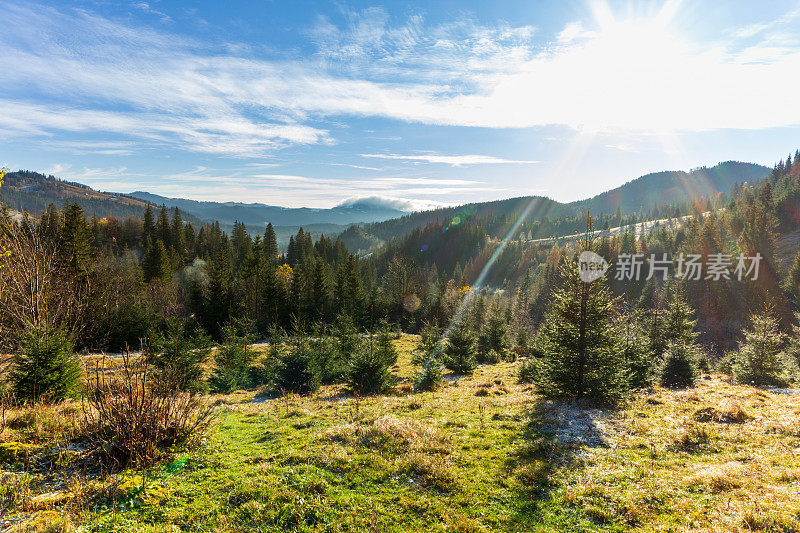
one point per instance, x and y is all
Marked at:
(554, 440)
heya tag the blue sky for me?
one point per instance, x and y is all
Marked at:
(305, 103)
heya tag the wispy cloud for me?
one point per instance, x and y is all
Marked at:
(355, 166)
(453, 160)
(147, 8)
(203, 183)
(73, 71)
(57, 168)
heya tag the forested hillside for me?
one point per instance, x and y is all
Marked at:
(257, 215)
(140, 271)
(517, 369)
(25, 190)
(649, 197)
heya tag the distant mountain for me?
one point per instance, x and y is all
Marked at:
(673, 187)
(258, 215)
(640, 195)
(25, 190)
(380, 220)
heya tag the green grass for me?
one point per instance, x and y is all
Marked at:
(457, 459)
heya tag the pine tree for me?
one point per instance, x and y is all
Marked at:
(293, 371)
(46, 367)
(679, 368)
(759, 359)
(156, 263)
(163, 229)
(460, 349)
(75, 243)
(579, 343)
(270, 244)
(179, 357)
(233, 358)
(370, 368)
(149, 227)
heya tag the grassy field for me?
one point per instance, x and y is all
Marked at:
(481, 454)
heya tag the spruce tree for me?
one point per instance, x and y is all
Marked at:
(179, 356)
(270, 244)
(156, 263)
(370, 368)
(792, 281)
(149, 227)
(679, 321)
(75, 242)
(384, 347)
(233, 358)
(675, 332)
(178, 236)
(163, 228)
(760, 359)
(497, 335)
(635, 344)
(794, 342)
(460, 348)
(219, 301)
(429, 376)
(293, 365)
(430, 343)
(679, 368)
(319, 291)
(581, 356)
(45, 368)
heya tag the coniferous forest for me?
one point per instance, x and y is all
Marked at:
(131, 341)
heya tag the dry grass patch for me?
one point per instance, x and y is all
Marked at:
(727, 412)
(720, 478)
(432, 471)
(404, 434)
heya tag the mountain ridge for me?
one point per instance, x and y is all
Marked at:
(259, 214)
(365, 222)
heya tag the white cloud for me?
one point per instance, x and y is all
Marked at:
(147, 8)
(424, 181)
(574, 31)
(453, 160)
(402, 204)
(202, 183)
(355, 166)
(160, 89)
(56, 168)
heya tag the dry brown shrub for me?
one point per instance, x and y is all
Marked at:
(129, 421)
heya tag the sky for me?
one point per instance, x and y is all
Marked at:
(310, 103)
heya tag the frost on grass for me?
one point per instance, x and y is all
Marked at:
(572, 424)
